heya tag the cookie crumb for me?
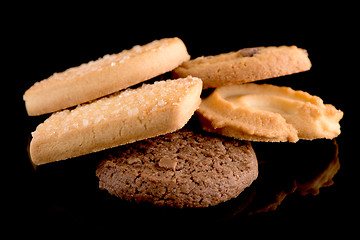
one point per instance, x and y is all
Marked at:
(167, 163)
(133, 160)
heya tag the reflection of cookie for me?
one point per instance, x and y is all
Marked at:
(181, 169)
(118, 119)
(268, 113)
(104, 76)
(246, 65)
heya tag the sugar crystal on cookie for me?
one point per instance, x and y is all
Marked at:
(103, 123)
(104, 76)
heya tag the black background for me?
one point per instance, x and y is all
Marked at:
(48, 39)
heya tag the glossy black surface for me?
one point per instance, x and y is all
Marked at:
(66, 193)
(296, 181)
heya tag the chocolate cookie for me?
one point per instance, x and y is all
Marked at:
(180, 169)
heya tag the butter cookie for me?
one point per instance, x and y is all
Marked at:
(123, 117)
(268, 113)
(246, 65)
(104, 76)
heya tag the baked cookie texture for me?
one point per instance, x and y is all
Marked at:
(245, 65)
(104, 76)
(180, 169)
(268, 113)
(121, 118)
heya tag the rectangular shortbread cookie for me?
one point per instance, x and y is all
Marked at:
(121, 118)
(104, 76)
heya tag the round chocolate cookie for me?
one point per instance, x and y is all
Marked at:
(180, 169)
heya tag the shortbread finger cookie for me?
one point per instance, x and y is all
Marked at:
(180, 169)
(268, 113)
(104, 76)
(246, 65)
(118, 119)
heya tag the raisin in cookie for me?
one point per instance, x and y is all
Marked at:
(180, 169)
(246, 65)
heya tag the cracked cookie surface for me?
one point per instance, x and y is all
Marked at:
(180, 169)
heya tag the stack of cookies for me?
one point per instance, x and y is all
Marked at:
(100, 105)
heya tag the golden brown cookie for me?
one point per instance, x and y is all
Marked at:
(268, 113)
(118, 119)
(246, 65)
(104, 76)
